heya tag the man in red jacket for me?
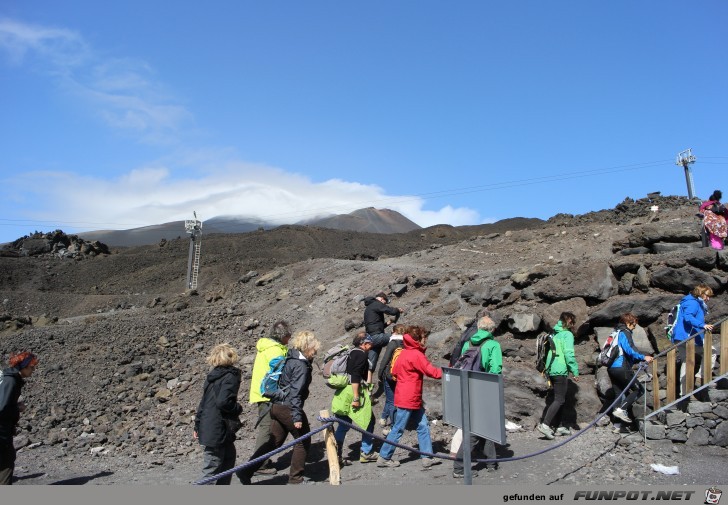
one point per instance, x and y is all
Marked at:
(409, 369)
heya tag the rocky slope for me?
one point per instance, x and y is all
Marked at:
(122, 344)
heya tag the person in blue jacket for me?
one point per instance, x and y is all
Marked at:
(691, 321)
(621, 373)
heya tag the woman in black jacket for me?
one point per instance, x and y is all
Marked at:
(217, 415)
(287, 415)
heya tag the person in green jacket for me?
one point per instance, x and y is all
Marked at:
(275, 345)
(491, 361)
(561, 363)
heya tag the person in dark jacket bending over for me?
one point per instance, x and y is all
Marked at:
(620, 372)
(374, 324)
(22, 366)
(217, 420)
(287, 415)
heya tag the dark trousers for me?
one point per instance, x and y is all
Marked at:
(7, 462)
(281, 425)
(379, 340)
(217, 460)
(553, 414)
(620, 377)
(489, 451)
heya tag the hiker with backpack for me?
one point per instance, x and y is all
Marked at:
(287, 414)
(481, 353)
(353, 404)
(375, 310)
(12, 379)
(465, 336)
(620, 371)
(268, 348)
(386, 380)
(560, 362)
(409, 369)
(691, 321)
(216, 419)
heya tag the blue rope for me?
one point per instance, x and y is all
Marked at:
(213, 478)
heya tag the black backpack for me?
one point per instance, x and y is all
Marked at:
(470, 359)
(544, 344)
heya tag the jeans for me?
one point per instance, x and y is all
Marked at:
(367, 441)
(620, 378)
(217, 460)
(378, 341)
(402, 417)
(561, 384)
(388, 411)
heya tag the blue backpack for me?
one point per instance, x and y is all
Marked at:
(269, 386)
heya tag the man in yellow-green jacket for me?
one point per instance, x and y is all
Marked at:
(276, 344)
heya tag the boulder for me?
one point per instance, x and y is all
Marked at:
(681, 280)
(720, 436)
(698, 436)
(524, 322)
(593, 281)
(647, 308)
(550, 313)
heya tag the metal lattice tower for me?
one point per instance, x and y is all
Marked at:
(685, 159)
(194, 228)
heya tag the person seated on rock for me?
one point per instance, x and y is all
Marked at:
(374, 324)
(620, 371)
(216, 420)
(715, 229)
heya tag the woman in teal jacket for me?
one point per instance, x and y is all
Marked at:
(561, 363)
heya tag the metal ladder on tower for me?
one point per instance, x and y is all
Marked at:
(196, 263)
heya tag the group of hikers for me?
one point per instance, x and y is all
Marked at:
(400, 375)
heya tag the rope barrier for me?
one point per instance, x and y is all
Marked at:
(213, 478)
(328, 422)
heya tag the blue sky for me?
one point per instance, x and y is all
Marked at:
(115, 115)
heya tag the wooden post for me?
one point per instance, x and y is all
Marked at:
(331, 453)
(689, 367)
(671, 359)
(724, 347)
(707, 357)
(655, 386)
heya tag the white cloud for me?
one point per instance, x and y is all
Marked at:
(122, 92)
(150, 195)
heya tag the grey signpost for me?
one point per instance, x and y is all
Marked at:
(473, 401)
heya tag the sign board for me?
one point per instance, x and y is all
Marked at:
(486, 405)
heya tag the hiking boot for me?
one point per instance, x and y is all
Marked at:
(383, 422)
(621, 415)
(563, 431)
(381, 462)
(546, 431)
(368, 458)
(386, 430)
(459, 474)
(428, 463)
(344, 461)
